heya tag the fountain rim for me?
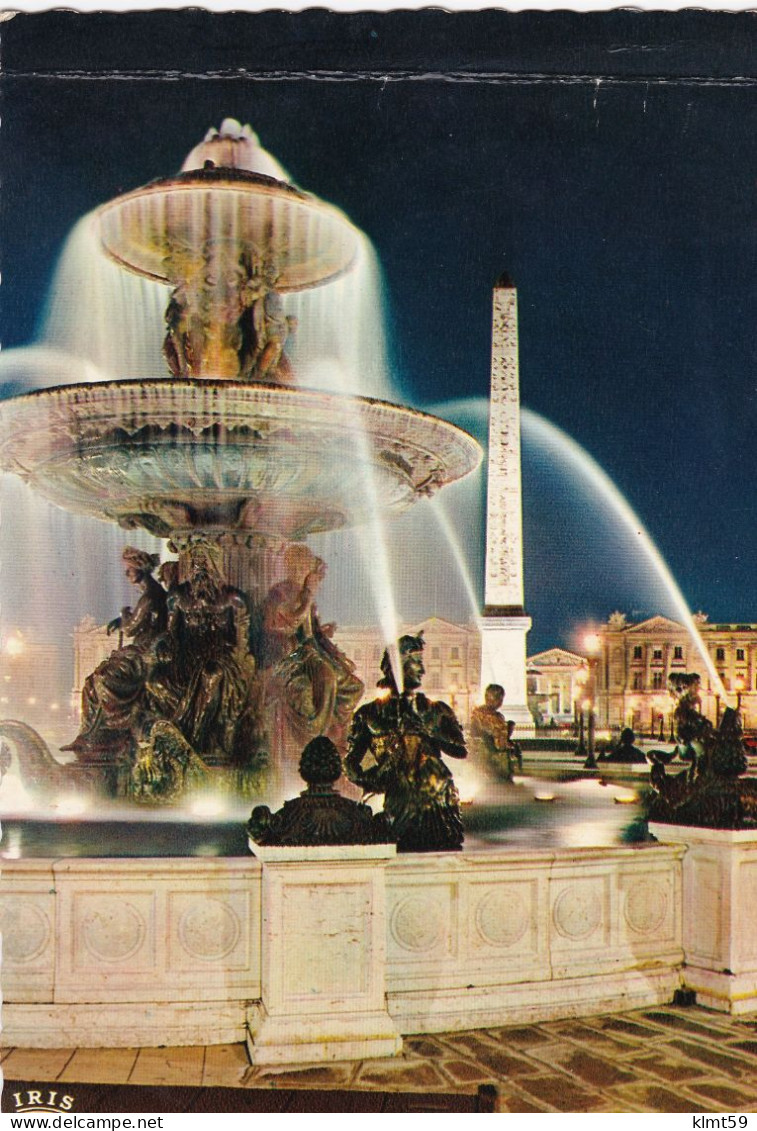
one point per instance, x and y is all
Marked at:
(225, 179)
(88, 405)
(222, 383)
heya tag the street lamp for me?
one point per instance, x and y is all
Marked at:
(581, 748)
(592, 644)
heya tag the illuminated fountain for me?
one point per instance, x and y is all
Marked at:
(336, 952)
(234, 465)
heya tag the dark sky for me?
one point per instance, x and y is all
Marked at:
(591, 156)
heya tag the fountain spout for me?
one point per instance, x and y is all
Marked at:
(229, 234)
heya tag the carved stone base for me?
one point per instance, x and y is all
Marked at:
(719, 898)
(503, 661)
(323, 994)
(478, 1007)
(322, 1037)
(115, 1025)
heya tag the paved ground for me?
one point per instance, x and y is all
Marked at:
(656, 1060)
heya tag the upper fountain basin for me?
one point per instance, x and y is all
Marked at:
(173, 456)
(298, 240)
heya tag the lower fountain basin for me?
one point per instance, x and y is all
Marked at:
(172, 455)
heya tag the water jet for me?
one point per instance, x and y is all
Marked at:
(231, 463)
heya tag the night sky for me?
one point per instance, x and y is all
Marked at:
(590, 156)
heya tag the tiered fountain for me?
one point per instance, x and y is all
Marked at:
(311, 953)
(225, 665)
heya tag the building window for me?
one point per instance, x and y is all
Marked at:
(435, 681)
(435, 654)
(740, 654)
(454, 653)
(637, 652)
(656, 681)
(657, 655)
(678, 653)
(720, 654)
(637, 685)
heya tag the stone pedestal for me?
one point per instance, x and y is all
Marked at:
(323, 993)
(503, 661)
(719, 916)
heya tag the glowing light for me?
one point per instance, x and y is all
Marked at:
(470, 784)
(11, 848)
(625, 797)
(544, 797)
(592, 643)
(207, 807)
(71, 805)
(371, 536)
(14, 645)
(32, 699)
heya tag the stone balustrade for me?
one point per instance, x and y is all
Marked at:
(143, 951)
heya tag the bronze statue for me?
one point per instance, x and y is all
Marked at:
(396, 745)
(112, 694)
(708, 792)
(225, 320)
(493, 734)
(209, 630)
(319, 815)
(267, 328)
(183, 696)
(313, 679)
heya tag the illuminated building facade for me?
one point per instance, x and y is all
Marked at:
(557, 681)
(636, 660)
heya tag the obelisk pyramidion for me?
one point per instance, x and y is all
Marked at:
(504, 623)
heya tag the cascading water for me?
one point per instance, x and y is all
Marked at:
(597, 513)
(259, 438)
(103, 323)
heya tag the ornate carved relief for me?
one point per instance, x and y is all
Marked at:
(577, 912)
(504, 553)
(209, 929)
(502, 917)
(417, 922)
(25, 929)
(114, 930)
(646, 905)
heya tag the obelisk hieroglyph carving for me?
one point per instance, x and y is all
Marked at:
(504, 623)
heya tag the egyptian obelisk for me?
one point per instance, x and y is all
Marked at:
(504, 624)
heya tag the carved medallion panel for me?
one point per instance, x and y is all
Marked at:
(26, 930)
(422, 921)
(113, 930)
(580, 911)
(207, 929)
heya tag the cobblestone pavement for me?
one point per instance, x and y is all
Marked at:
(655, 1060)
